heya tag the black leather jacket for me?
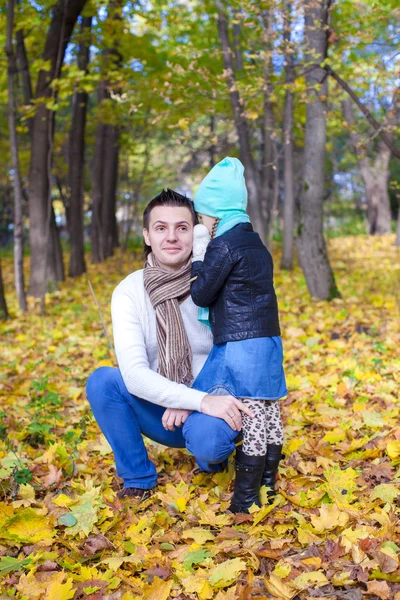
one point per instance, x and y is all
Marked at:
(236, 282)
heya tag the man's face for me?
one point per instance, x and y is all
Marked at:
(170, 235)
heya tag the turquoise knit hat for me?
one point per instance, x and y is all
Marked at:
(223, 190)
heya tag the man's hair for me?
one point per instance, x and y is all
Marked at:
(166, 198)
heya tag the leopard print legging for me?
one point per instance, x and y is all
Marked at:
(264, 428)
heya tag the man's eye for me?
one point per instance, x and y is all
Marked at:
(183, 228)
(160, 228)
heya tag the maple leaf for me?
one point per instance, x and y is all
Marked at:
(387, 492)
(196, 557)
(28, 526)
(8, 564)
(57, 590)
(158, 590)
(225, 573)
(329, 518)
(340, 485)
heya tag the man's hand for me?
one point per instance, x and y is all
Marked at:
(201, 238)
(174, 417)
(227, 408)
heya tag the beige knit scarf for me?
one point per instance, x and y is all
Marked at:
(166, 290)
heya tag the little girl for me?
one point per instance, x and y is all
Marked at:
(232, 280)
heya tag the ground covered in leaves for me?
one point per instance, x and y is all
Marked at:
(334, 527)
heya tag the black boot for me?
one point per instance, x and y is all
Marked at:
(249, 471)
(273, 458)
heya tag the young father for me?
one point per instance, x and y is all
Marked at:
(161, 347)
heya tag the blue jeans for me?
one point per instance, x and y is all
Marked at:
(124, 419)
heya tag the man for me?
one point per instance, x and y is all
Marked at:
(161, 347)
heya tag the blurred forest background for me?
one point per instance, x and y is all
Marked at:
(105, 102)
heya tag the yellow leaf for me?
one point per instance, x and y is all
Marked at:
(341, 485)
(106, 362)
(306, 537)
(60, 591)
(303, 581)
(329, 518)
(282, 570)
(64, 501)
(158, 590)
(181, 503)
(227, 594)
(386, 492)
(198, 534)
(278, 588)
(28, 526)
(198, 584)
(294, 445)
(393, 449)
(26, 495)
(225, 573)
(335, 436)
(264, 510)
(342, 578)
(312, 561)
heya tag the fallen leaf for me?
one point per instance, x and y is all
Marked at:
(158, 590)
(329, 518)
(226, 572)
(379, 588)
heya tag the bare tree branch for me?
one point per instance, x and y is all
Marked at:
(370, 118)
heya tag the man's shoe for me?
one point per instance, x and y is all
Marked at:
(135, 493)
(249, 471)
(272, 460)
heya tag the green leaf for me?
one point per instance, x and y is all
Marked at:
(8, 564)
(67, 519)
(195, 557)
(167, 546)
(227, 572)
(372, 419)
(386, 492)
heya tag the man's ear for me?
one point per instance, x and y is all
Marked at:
(146, 237)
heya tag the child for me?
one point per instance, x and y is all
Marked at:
(233, 277)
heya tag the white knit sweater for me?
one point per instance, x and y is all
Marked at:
(134, 328)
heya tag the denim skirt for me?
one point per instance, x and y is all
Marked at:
(251, 368)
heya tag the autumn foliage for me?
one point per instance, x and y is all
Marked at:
(333, 529)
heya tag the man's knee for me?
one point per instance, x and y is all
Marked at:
(99, 382)
(209, 439)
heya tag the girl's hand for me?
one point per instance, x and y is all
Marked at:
(227, 408)
(174, 417)
(201, 238)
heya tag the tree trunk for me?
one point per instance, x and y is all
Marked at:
(17, 184)
(110, 178)
(288, 202)
(375, 175)
(105, 161)
(58, 36)
(25, 75)
(252, 176)
(97, 185)
(269, 171)
(77, 264)
(310, 241)
(3, 305)
(376, 180)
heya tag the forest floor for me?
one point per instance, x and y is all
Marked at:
(334, 527)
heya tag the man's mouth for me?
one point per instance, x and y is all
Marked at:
(171, 249)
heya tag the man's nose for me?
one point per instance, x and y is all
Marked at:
(172, 236)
